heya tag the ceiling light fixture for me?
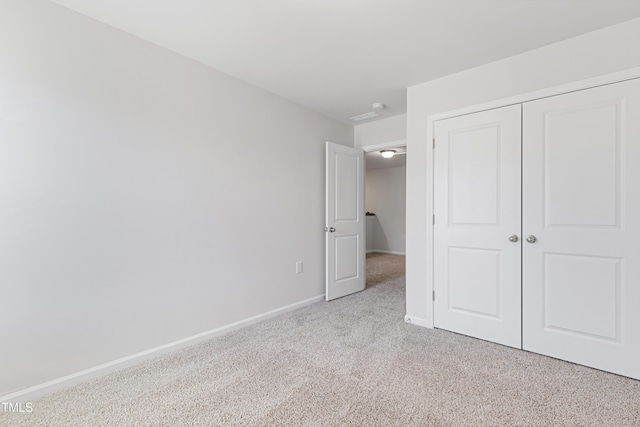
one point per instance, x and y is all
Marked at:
(387, 154)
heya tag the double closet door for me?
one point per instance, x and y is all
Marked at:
(537, 226)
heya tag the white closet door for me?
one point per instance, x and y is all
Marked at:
(477, 207)
(581, 201)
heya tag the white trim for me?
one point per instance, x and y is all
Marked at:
(380, 251)
(589, 83)
(606, 79)
(48, 387)
(431, 321)
(418, 321)
(389, 144)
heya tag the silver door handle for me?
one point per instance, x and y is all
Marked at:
(532, 239)
(513, 238)
(330, 229)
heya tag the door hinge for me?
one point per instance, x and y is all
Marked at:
(433, 295)
(434, 219)
(434, 143)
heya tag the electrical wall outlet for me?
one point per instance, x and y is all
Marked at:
(298, 267)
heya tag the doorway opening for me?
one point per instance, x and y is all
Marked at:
(385, 206)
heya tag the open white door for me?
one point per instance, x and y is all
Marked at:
(344, 221)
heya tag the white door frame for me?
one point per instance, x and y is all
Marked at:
(616, 77)
(330, 293)
(384, 145)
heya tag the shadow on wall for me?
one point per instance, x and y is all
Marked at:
(376, 237)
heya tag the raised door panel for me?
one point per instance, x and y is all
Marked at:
(474, 155)
(347, 169)
(346, 257)
(482, 266)
(597, 314)
(581, 277)
(477, 208)
(582, 165)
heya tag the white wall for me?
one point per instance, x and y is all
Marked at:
(605, 51)
(386, 197)
(144, 197)
(381, 131)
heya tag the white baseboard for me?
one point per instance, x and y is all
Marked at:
(418, 321)
(380, 251)
(49, 387)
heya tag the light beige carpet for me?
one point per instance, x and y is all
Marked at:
(350, 362)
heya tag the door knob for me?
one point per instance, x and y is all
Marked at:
(532, 239)
(513, 238)
(330, 229)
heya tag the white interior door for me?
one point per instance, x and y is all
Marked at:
(477, 162)
(581, 185)
(345, 221)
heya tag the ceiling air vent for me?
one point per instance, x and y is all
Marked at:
(377, 108)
